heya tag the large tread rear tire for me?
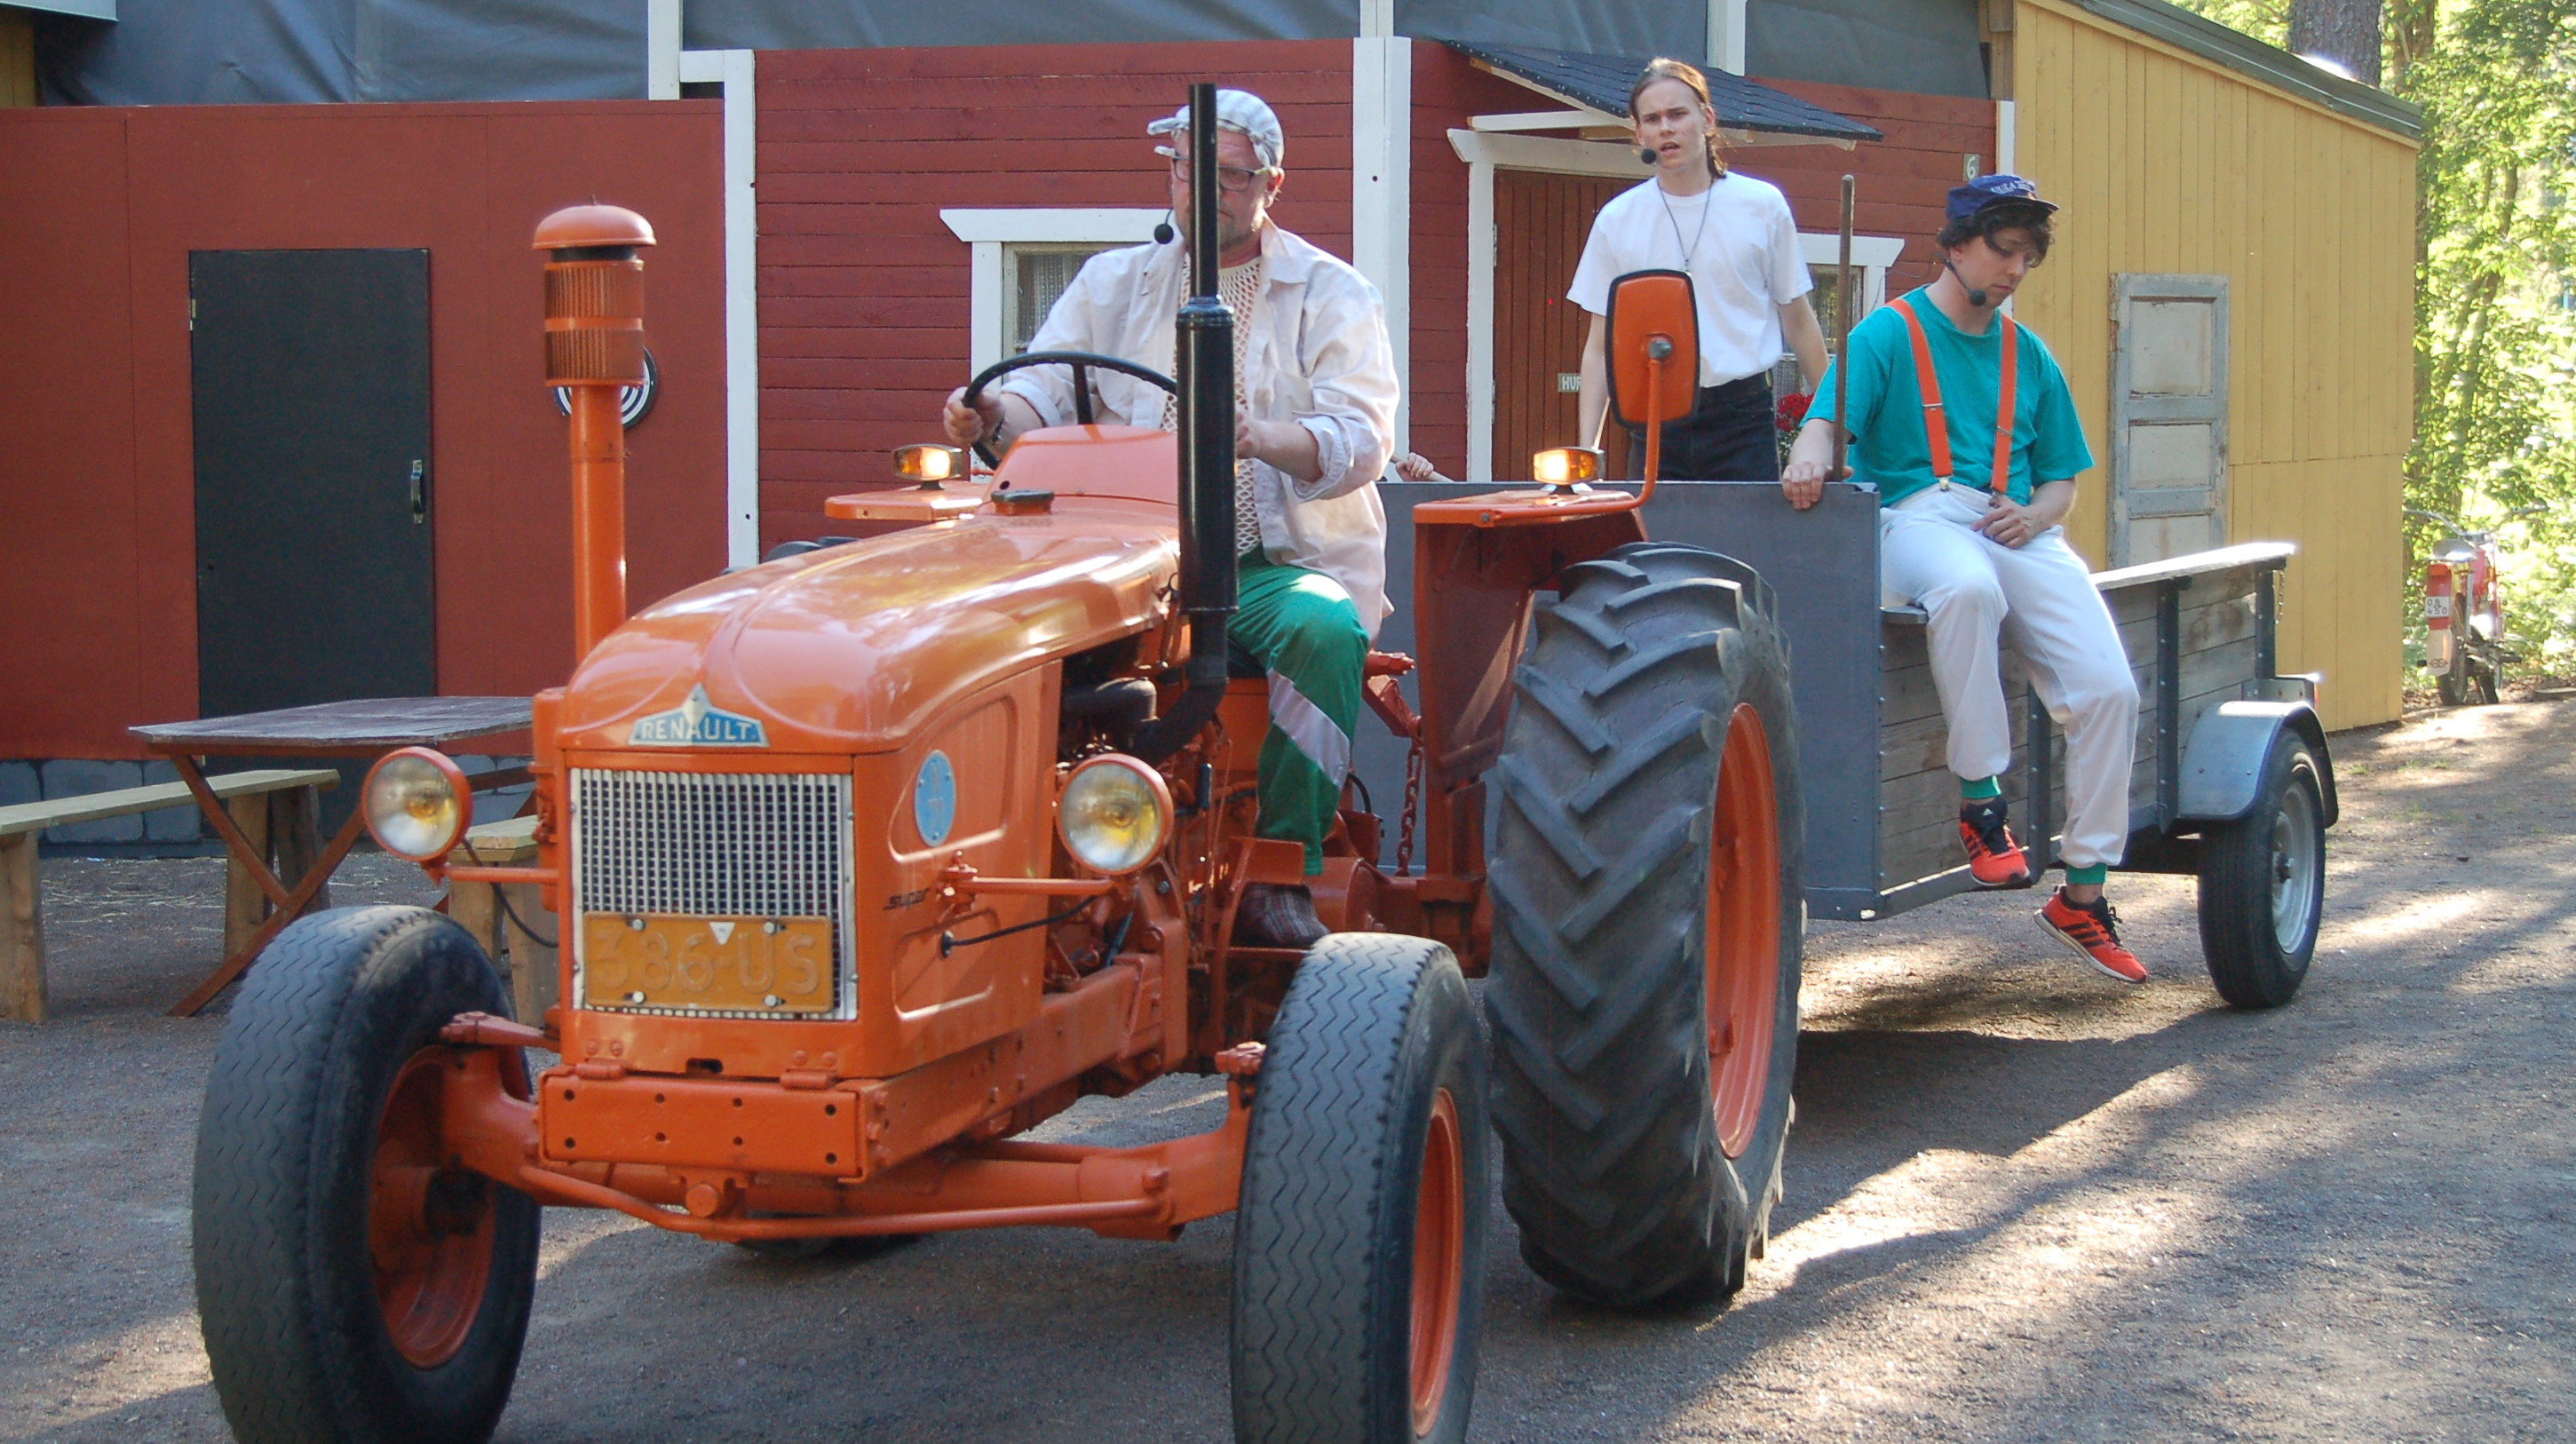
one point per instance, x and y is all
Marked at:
(2263, 883)
(338, 1011)
(1606, 797)
(1368, 1137)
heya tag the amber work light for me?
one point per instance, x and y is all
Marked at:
(595, 349)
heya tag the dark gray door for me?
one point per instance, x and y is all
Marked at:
(311, 375)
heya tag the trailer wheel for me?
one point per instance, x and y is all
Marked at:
(1648, 918)
(2263, 883)
(1359, 1243)
(351, 1283)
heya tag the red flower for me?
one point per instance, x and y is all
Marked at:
(1791, 410)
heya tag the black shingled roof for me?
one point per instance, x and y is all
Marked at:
(1602, 81)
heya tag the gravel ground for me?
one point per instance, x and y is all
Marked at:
(2025, 1202)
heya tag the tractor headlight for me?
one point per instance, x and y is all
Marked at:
(1566, 466)
(929, 464)
(417, 804)
(1113, 814)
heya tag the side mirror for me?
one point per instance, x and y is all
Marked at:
(1654, 355)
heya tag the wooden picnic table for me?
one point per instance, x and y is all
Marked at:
(365, 728)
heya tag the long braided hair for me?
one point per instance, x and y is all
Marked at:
(1664, 67)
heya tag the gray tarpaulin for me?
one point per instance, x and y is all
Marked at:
(164, 52)
(182, 52)
(1929, 47)
(1620, 27)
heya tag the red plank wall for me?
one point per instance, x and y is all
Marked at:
(864, 292)
(98, 211)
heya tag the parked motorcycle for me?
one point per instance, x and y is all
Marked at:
(2464, 642)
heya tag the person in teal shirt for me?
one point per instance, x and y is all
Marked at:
(1962, 420)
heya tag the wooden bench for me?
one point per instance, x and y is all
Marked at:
(530, 964)
(275, 806)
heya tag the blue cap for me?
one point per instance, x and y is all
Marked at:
(1994, 190)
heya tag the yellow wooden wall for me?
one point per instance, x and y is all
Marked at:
(2165, 162)
(17, 56)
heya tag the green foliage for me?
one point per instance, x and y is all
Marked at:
(2495, 282)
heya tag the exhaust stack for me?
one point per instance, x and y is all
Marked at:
(1205, 370)
(595, 349)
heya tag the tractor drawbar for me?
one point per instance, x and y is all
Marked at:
(1204, 366)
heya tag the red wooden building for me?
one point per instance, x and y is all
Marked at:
(845, 235)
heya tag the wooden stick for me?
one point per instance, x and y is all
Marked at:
(1843, 300)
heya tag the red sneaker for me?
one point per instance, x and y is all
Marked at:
(1994, 859)
(2093, 931)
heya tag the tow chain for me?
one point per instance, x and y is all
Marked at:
(1412, 806)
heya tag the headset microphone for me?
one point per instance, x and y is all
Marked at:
(1645, 155)
(1976, 295)
(1163, 232)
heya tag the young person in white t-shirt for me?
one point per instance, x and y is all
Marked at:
(1734, 237)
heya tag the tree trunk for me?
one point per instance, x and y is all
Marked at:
(2343, 31)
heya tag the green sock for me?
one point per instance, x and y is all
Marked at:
(1981, 790)
(2088, 876)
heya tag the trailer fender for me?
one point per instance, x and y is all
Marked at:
(2222, 764)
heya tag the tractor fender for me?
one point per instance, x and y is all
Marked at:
(2222, 764)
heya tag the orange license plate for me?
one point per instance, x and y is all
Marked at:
(756, 965)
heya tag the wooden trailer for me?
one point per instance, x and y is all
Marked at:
(2232, 781)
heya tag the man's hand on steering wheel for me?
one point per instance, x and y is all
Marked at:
(966, 424)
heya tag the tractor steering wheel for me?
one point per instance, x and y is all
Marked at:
(1081, 362)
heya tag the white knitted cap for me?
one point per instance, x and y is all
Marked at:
(1237, 110)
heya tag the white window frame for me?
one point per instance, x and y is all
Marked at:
(986, 231)
(1872, 254)
(731, 70)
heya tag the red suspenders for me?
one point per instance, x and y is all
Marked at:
(1936, 421)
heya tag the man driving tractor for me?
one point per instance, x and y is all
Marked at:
(1315, 400)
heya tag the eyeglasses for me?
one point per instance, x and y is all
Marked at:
(1231, 179)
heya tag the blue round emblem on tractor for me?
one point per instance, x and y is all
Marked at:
(934, 798)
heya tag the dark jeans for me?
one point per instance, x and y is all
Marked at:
(1731, 436)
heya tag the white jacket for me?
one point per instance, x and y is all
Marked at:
(1318, 355)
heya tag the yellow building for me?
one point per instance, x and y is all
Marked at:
(2220, 191)
(17, 56)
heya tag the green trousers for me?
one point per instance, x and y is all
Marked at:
(1302, 626)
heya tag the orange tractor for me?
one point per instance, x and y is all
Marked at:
(870, 859)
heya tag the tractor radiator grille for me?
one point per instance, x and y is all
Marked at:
(734, 844)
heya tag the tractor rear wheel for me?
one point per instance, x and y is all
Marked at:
(352, 1283)
(1359, 1243)
(1648, 926)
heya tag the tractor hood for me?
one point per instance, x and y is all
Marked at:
(856, 648)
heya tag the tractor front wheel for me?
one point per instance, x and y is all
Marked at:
(1359, 1243)
(1647, 928)
(353, 1283)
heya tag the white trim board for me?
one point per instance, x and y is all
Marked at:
(732, 69)
(1726, 35)
(986, 231)
(1382, 196)
(661, 49)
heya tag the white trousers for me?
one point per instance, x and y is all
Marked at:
(2041, 598)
